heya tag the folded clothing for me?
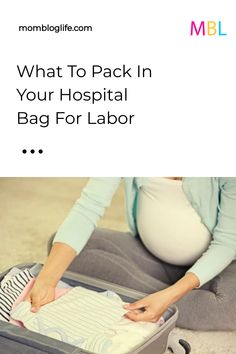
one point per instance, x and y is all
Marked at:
(127, 335)
(78, 314)
(10, 290)
(87, 319)
(84, 318)
(15, 286)
(59, 291)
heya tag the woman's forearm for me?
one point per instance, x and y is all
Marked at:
(58, 261)
(183, 286)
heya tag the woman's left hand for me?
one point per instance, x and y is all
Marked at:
(150, 308)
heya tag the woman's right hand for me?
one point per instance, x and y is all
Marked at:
(41, 294)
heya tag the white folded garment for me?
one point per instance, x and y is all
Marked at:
(87, 319)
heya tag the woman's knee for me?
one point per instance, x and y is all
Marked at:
(101, 264)
(108, 240)
(205, 310)
(228, 316)
(115, 269)
(102, 233)
(225, 308)
(224, 287)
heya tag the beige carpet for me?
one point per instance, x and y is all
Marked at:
(31, 209)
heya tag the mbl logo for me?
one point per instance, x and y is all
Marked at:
(206, 28)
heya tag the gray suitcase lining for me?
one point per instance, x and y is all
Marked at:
(19, 340)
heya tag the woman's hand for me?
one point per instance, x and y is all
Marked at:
(150, 308)
(43, 291)
(41, 294)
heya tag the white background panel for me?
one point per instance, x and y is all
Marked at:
(184, 115)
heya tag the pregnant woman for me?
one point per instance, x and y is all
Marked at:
(181, 248)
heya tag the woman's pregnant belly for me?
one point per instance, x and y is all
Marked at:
(172, 234)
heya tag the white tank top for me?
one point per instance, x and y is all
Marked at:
(168, 225)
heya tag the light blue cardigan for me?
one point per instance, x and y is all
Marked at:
(213, 198)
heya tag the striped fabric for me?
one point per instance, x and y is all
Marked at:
(10, 290)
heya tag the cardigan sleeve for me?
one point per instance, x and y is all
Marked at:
(88, 209)
(222, 249)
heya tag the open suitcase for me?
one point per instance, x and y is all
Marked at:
(22, 341)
